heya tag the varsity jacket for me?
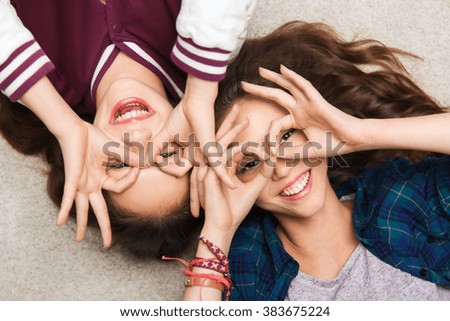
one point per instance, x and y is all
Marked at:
(75, 42)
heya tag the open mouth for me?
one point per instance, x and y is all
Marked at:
(130, 109)
(298, 188)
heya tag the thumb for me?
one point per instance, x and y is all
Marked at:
(257, 184)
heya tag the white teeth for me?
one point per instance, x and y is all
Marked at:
(298, 186)
(131, 114)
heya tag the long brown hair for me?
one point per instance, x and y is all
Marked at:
(144, 236)
(364, 78)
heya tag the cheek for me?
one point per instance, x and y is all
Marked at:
(265, 196)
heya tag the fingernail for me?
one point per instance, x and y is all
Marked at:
(273, 151)
(58, 224)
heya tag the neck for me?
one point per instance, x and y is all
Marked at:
(323, 242)
(125, 67)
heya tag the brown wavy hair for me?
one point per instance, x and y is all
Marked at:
(143, 236)
(335, 67)
(363, 78)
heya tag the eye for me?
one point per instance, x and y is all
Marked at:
(170, 150)
(167, 155)
(287, 135)
(247, 164)
(118, 166)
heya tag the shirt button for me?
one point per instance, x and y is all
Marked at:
(431, 239)
(118, 28)
(423, 272)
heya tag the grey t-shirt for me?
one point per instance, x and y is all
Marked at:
(365, 277)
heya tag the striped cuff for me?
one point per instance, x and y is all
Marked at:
(24, 67)
(205, 63)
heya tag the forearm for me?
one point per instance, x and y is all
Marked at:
(427, 133)
(48, 105)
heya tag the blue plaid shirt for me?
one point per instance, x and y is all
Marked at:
(401, 215)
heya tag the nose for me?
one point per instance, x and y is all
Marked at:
(282, 170)
(138, 141)
(141, 136)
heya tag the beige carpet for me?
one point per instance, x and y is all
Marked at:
(42, 262)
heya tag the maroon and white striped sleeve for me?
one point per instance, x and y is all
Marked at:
(205, 63)
(210, 34)
(22, 60)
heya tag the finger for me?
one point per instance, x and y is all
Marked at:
(158, 143)
(217, 161)
(281, 81)
(101, 213)
(234, 155)
(277, 126)
(277, 95)
(228, 123)
(300, 83)
(222, 173)
(194, 199)
(82, 205)
(176, 168)
(211, 179)
(233, 132)
(202, 171)
(126, 155)
(70, 190)
(255, 186)
(119, 185)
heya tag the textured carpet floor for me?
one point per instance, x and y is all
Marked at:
(42, 262)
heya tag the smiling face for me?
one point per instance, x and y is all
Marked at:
(297, 188)
(132, 107)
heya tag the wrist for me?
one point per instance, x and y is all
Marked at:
(201, 89)
(369, 134)
(219, 237)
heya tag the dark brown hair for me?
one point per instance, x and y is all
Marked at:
(363, 78)
(144, 236)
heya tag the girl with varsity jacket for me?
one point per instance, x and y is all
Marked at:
(101, 77)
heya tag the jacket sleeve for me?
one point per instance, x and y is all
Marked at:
(22, 61)
(210, 33)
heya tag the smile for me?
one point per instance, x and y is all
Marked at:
(298, 188)
(130, 109)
